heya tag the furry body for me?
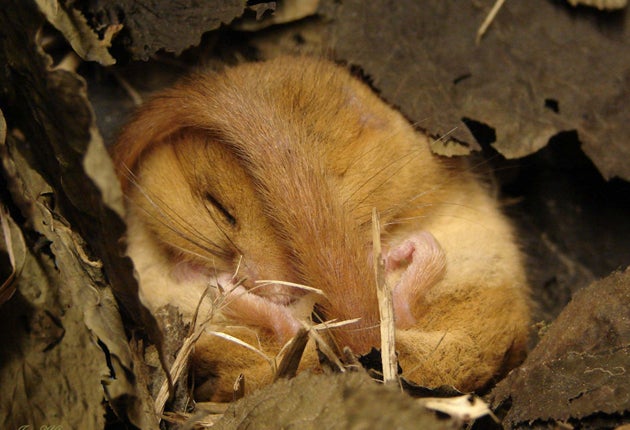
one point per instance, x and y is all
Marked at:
(274, 168)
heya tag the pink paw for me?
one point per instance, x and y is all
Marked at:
(424, 264)
(251, 309)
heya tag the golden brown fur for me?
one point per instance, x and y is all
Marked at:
(276, 166)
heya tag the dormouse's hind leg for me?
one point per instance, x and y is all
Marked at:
(423, 263)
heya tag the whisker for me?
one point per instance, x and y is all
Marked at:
(183, 230)
(433, 189)
(291, 284)
(230, 297)
(407, 220)
(174, 222)
(199, 186)
(188, 251)
(377, 173)
(238, 266)
(457, 217)
(373, 148)
(409, 156)
(475, 210)
(369, 327)
(442, 203)
(223, 232)
(333, 323)
(161, 209)
(382, 169)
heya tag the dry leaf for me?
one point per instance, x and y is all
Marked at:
(463, 408)
(73, 25)
(342, 401)
(542, 68)
(601, 4)
(163, 24)
(73, 235)
(580, 369)
(16, 249)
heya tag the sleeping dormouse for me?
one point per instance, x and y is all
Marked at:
(269, 172)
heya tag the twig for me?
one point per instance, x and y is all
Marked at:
(181, 360)
(238, 391)
(489, 18)
(326, 349)
(245, 345)
(133, 94)
(293, 355)
(385, 307)
(179, 365)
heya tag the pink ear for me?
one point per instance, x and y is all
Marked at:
(162, 116)
(148, 126)
(425, 265)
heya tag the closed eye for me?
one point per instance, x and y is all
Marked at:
(227, 216)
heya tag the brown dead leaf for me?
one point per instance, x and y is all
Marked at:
(16, 249)
(73, 25)
(601, 4)
(542, 68)
(340, 401)
(12, 238)
(277, 13)
(161, 24)
(61, 181)
(580, 368)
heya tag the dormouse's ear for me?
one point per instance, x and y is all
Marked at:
(149, 125)
(164, 115)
